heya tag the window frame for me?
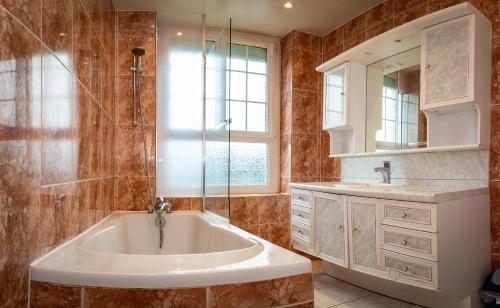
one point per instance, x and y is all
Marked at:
(271, 136)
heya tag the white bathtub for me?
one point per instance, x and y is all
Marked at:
(200, 249)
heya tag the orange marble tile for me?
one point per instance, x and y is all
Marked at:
(286, 71)
(57, 18)
(495, 261)
(284, 207)
(306, 41)
(286, 111)
(83, 138)
(354, 40)
(332, 40)
(495, 143)
(269, 293)
(495, 71)
(380, 28)
(96, 72)
(254, 229)
(305, 156)
(124, 298)
(47, 295)
(436, 5)
(179, 204)
(133, 193)
(285, 155)
(401, 6)
(107, 147)
(304, 75)
(287, 42)
(27, 11)
(490, 8)
(304, 305)
(143, 22)
(244, 211)
(412, 13)
(495, 216)
(305, 112)
(95, 143)
(334, 51)
(268, 209)
(106, 189)
(196, 204)
(380, 13)
(131, 150)
(148, 97)
(355, 26)
(82, 32)
(276, 233)
(284, 181)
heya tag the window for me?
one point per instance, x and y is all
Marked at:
(251, 103)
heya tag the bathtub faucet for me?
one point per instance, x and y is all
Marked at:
(160, 206)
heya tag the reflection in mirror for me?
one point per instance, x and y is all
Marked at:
(394, 119)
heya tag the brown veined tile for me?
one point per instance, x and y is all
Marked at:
(285, 155)
(179, 203)
(27, 11)
(133, 193)
(305, 114)
(286, 71)
(95, 144)
(139, 22)
(276, 233)
(405, 5)
(284, 181)
(307, 41)
(244, 211)
(436, 5)
(355, 26)
(495, 216)
(196, 204)
(253, 229)
(379, 28)
(495, 261)
(332, 40)
(284, 207)
(287, 42)
(304, 74)
(58, 159)
(286, 112)
(495, 143)
(83, 138)
(95, 10)
(268, 209)
(57, 18)
(380, 13)
(126, 42)
(106, 190)
(123, 298)
(82, 43)
(354, 40)
(130, 145)
(305, 156)
(96, 73)
(495, 71)
(47, 295)
(410, 14)
(148, 97)
(106, 147)
(268, 293)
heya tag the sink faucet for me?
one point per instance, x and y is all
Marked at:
(159, 207)
(386, 171)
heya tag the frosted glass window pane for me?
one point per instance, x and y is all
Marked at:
(238, 86)
(249, 163)
(256, 117)
(257, 60)
(238, 112)
(238, 57)
(257, 88)
(217, 154)
(210, 82)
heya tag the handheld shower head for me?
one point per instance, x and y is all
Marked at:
(139, 52)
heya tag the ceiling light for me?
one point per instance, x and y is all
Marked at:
(288, 5)
(179, 33)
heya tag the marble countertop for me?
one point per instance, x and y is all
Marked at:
(428, 194)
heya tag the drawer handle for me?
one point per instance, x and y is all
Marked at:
(354, 229)
(300, 232)
(300, 215)
(404, 215)
(405, 269)
(404, 242)
(428, 66)
(301, 198)
(340, 227)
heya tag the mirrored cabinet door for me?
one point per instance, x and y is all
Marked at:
(334, 105)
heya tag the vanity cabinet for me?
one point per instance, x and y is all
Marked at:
(363, 234)
(331, 232)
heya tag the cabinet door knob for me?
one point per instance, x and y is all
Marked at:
(354, 229)
(300, 232)
(300, 215)
(404, 242)
(340, 227)
(404, 215)
(342, 93)
(300, 198)
(405, 269)
(428, 66)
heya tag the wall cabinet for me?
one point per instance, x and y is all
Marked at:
(330, 216)
(335, 107)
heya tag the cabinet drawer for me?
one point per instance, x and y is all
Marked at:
(414, 243)
(302, 246)
(301, 232)
(418, 216)
(301, 197)
(412, 271)
(301, 214)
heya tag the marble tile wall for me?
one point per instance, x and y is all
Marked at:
(56, 129)
(392, 13)
(294, 291)
(135, 29)
(304, 147)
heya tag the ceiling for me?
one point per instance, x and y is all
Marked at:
(267, 17)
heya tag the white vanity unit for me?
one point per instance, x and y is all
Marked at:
(426, 245)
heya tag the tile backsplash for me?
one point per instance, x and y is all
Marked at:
(460, 168)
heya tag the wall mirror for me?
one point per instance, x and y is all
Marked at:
(394, 120)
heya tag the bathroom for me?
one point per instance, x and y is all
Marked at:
(303, 153)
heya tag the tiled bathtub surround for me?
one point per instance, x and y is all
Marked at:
(392, 13)
(462, 168)
(293, 291)
(56, 128)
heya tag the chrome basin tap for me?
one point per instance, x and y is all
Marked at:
(159, 207)
(386, 171)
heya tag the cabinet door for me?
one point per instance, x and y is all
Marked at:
(331, 228)
(363, 235)
(334, 105)
(446, 55)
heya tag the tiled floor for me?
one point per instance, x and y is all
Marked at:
(331, 292)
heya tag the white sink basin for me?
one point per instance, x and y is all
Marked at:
(366, 185)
